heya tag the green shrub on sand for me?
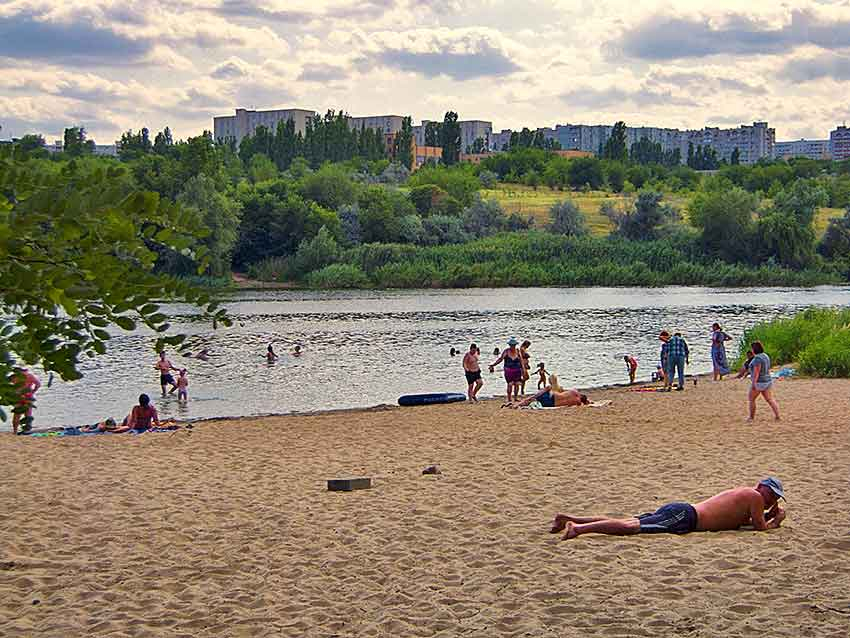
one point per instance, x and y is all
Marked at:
(818, 339)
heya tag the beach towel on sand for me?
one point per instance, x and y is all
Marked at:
(536, 405)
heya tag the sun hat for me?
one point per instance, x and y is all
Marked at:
(512, 341)
(775, 486)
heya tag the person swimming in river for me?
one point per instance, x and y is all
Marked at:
(271, 357)
(297, 351)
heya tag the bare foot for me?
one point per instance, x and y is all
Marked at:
(559, 523)
(571, 532)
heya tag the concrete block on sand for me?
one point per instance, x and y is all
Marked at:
(349, 484)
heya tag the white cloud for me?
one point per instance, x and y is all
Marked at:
(131, 63)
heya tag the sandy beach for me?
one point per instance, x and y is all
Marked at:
(228, 529)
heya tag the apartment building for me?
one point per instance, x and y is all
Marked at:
(245, 122)
(811, 149)
(839, 143)
(100, 150)
(387, 124)
(470, 130)
(501, 140)
(753, 142)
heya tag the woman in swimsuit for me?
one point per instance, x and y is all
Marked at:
(142, 417)
(513, 368)
(526, 366)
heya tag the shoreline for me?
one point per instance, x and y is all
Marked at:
(385, 407)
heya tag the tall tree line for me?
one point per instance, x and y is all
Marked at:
(325, 139)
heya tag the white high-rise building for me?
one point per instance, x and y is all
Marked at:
(811, 149)
(839, 143)
(753, 142)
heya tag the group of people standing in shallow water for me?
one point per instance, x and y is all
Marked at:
(674, 358)
(516, 365)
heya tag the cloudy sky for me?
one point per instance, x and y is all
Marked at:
(112, 65)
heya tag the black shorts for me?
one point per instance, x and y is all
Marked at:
(673, 518)
(472, 377)
(166, 378)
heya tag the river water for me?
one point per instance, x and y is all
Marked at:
(363, 348)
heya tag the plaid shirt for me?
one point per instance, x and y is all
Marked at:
(677, 347)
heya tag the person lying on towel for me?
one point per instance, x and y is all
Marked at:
(553, 396)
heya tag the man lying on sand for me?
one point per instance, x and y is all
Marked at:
(552, 396)
(757, 506)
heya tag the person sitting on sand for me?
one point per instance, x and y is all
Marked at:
(757, 506)
(553, 396)
(631, 367)
(142, 417)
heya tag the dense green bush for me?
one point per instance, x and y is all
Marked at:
(543, 259)
(817, 338)
(338, 276)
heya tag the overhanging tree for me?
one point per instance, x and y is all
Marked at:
(77, 256)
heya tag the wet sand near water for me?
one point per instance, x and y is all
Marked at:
(228, 530)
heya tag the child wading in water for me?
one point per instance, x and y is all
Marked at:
(541, 372)
(182, 386)
(631, 367)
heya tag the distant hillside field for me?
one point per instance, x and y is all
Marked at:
(526, 201)
(536, 203)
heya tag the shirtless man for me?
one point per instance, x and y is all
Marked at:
(165, 367)
(472, 369)
(757, 506)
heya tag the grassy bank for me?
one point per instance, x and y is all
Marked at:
(818, 339)
(527, 201)
(542, 259)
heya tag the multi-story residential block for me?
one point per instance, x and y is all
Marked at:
(839, 143)
(753, 142)
(101, 150)
(500, 141)
(471, 130)
(387, 124)
(811, 149)
(245, 122)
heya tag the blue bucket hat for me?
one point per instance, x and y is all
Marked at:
(512, 341)
(775, 486)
